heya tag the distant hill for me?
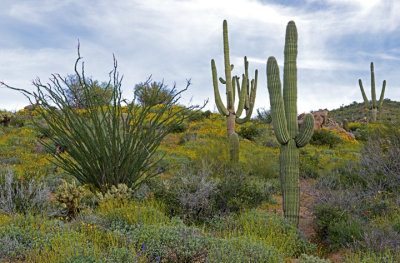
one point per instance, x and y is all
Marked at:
(355, 112)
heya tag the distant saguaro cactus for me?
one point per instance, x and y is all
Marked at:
(346, 125)
(375, 105)
(284, 119)
(246, 96)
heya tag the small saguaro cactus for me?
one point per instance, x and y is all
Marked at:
(284, 119)
(374, 105)
(346, 125)
(246, 96)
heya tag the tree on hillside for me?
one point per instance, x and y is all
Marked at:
(150, 94)
(76, 93)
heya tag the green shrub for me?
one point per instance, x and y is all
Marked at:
(17, 121)
(236, 191)
(272, 230)
(353, 126)
(261, 165)
(187, 137)
(16, 242)
(325, 137)
(312, 259)
(345, 233)
(151, 94)
(325, 217)
(249, 132)
(336, 228)
(82, 259)
(177, 243)
(132, 214)
(241, 250)
(197, 194)
(178, 127)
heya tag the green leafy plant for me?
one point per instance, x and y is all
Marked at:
(151, 94)
(249, 132)
(76, 92)
(325, 137)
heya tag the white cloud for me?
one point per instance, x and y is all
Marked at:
(175, 40)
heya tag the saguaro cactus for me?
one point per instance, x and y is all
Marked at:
(246, 96)
(284, 119)
(374, 106)
(346, 125)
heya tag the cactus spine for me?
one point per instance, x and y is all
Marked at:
(246, 96)
(374, 105)
(284, 119)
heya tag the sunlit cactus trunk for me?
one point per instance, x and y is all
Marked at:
(375, 105)
(246, 96)
(284, 119)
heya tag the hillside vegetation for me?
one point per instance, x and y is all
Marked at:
(200, 209)
(356, 112)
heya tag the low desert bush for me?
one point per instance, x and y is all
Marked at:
(197, 194)
(249, 132)
(243, 250)
(19, 196)
(325, 137)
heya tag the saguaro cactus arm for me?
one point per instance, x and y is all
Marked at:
(363, 93)
(290, 79)
(373, 92)
(252, 99)
(277, 106)
(228, 67)
(242, 94)
(306, 131)
(382, 94)
(220, 105)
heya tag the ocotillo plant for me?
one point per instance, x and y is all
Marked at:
(284, 119)
(374, 106)
(246, 96)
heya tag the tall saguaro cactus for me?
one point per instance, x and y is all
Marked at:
(284, 119)
(375, 105)
(246, 96)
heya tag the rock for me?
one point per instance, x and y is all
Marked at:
(320, 118)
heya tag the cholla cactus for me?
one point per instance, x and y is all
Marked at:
(121, 193)
(5, 118)
(69, 196)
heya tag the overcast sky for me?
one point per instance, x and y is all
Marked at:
(174, 40)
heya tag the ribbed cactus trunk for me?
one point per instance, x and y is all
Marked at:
(289, 173)
(284, 119)
(245, 94)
